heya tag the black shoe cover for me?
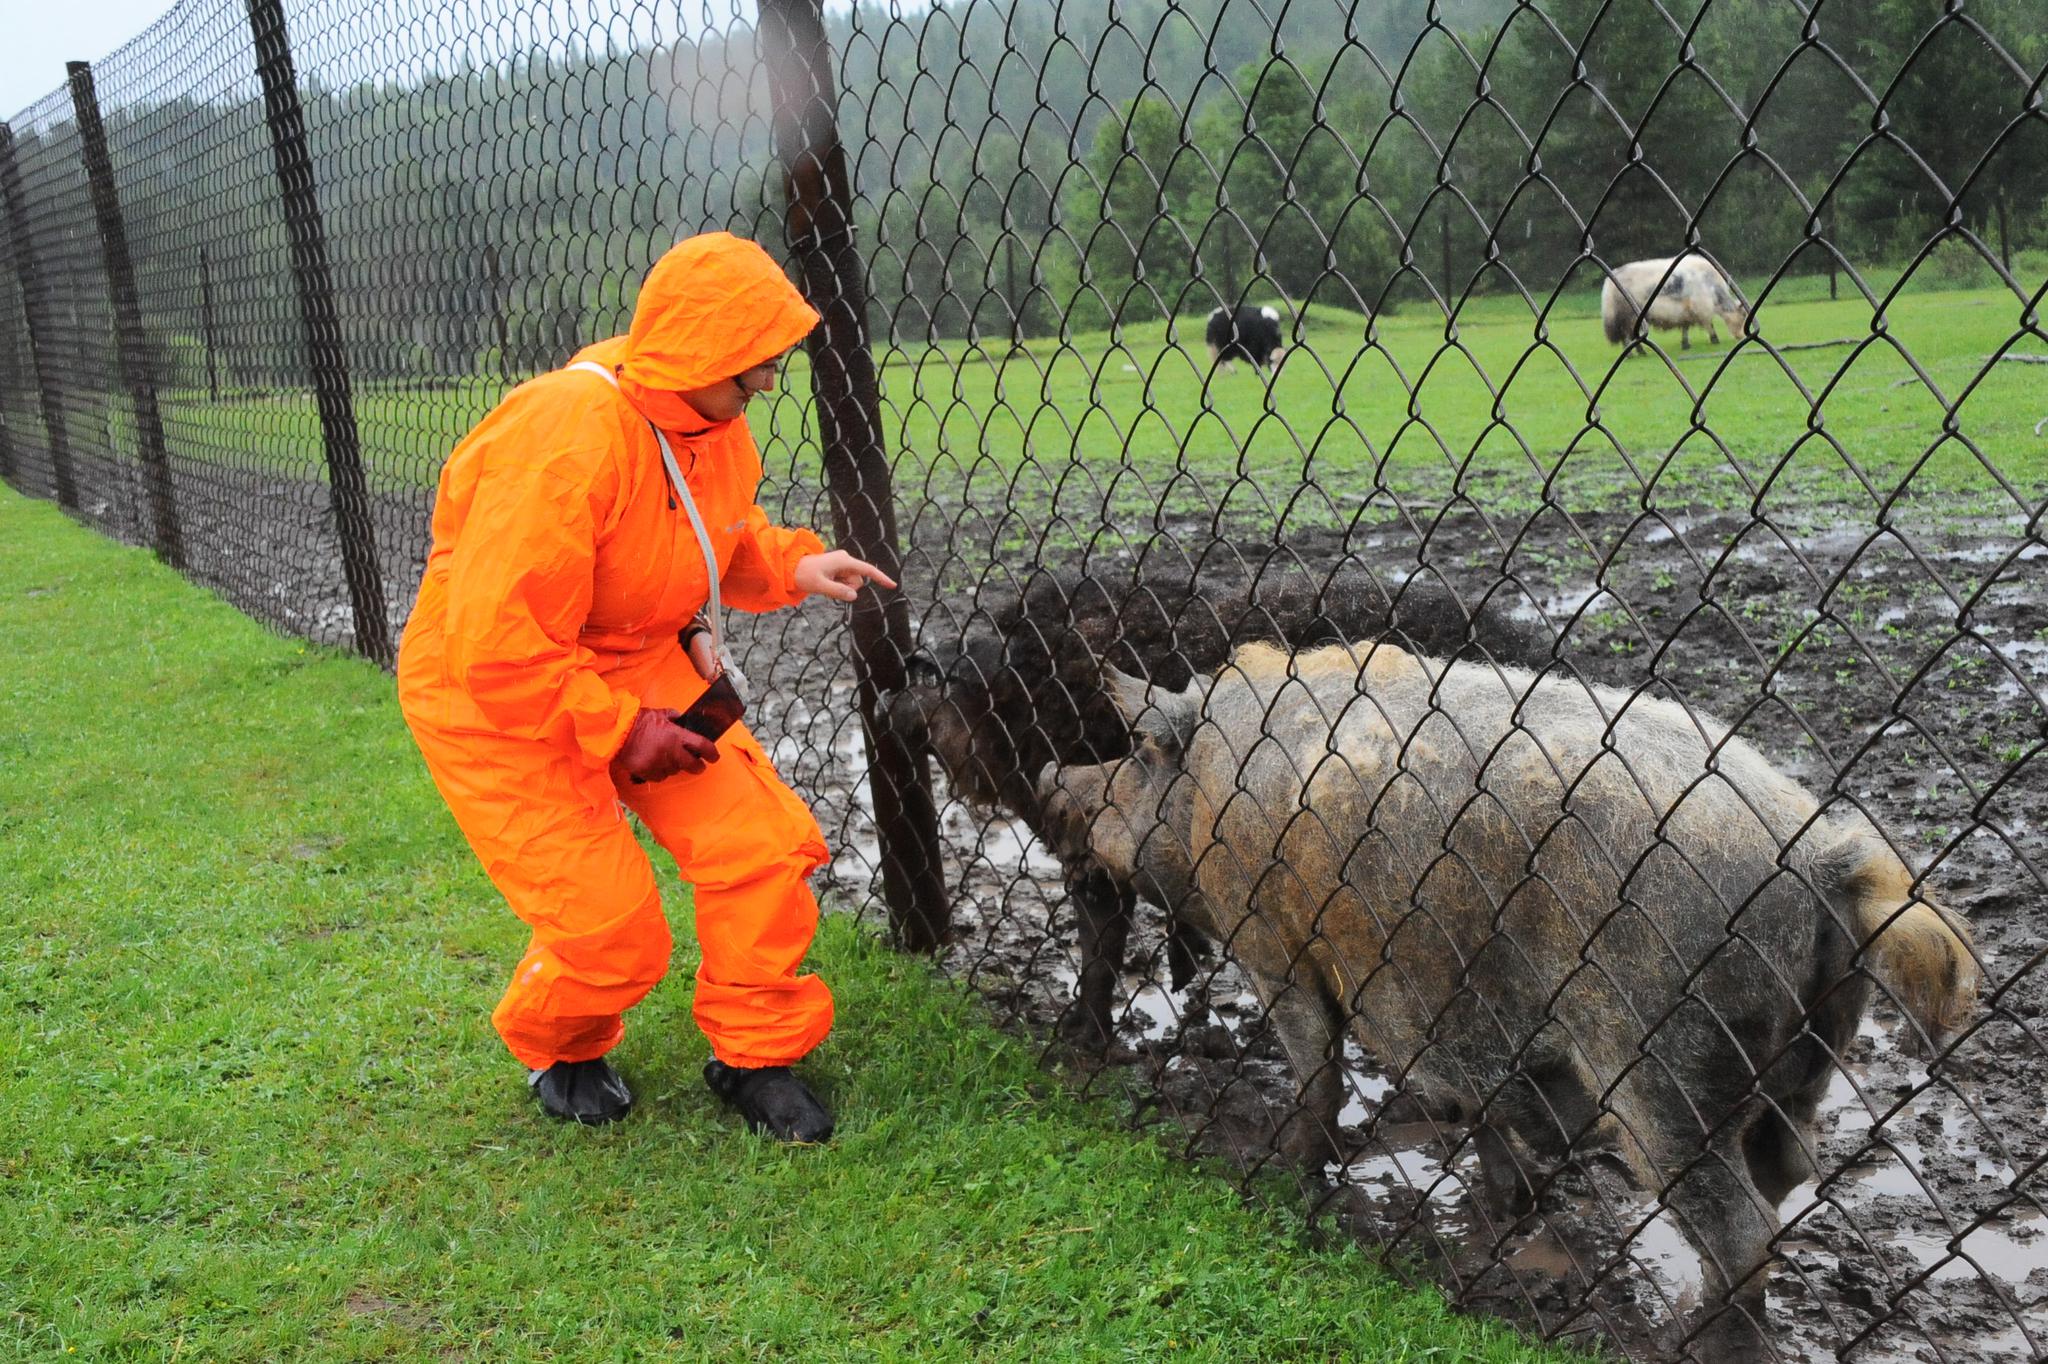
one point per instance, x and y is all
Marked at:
(589, 1092)
(772, 1100)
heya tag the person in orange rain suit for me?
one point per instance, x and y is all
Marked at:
(542, 670)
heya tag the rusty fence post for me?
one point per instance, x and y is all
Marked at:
(347, 486)
(820, 232)
(131, 345)
(35, 303)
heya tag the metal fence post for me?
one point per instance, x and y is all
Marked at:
(495, 282)
(131, 344)
(206, 327)
(346, 484)
(35, 312)
(820, 232)
(10, 361)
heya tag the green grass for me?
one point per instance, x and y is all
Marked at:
(1499, 408)
(251, 1107)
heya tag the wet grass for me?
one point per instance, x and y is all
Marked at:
(251, 1107)
(1506, 406)
(1501, 409)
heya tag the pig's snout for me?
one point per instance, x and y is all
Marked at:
(903, 714)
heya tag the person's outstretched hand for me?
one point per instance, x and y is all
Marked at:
(657, 748)
(836, 574)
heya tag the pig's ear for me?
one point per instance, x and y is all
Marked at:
(1132, 696)
(1170, 716)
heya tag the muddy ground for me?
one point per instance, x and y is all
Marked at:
(1848, 657)
(1905, 671)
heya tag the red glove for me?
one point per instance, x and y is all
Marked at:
(657, 748)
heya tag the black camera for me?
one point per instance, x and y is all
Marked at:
(716, 711)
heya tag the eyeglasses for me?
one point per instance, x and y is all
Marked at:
(767, 370)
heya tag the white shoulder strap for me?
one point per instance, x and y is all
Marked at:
(675, 477)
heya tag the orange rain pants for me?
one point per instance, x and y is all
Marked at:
(561, 571)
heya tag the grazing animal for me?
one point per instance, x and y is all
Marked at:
(1017, 685)
(1683, 292)
(1244, 334)
(1586, 920)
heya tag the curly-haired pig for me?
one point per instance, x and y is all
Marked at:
(1586, 920)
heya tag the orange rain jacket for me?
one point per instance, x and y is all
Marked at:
(562, 569)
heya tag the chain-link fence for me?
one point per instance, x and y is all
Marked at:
(1686, 357)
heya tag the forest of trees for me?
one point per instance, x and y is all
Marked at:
(1363, 169)
(1023, 167)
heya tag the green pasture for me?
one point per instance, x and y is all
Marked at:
(251, 1107)
(1501, 406)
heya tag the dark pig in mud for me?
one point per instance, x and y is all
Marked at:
(1584, 920)
(1018, 684)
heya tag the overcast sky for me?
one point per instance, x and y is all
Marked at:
(42, 35)
(388, 37)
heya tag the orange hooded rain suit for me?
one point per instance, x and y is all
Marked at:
(562, 569)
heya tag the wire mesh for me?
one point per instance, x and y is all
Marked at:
(1685, 356)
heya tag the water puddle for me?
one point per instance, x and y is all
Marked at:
(1009, 846)
(2008, 1251)
(1365, 1094)
(1558, 607)
(2030, 658)
(1403, 1167)
(1661, 1251)
(1995, 554)
(1901, 1177)
(1157, 1011)
(2014, 1344)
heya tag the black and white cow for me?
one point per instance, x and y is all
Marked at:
(1244, 334)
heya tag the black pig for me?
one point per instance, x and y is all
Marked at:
(1245, 333)
(1018, 685)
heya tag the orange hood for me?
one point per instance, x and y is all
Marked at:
(713, 306)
